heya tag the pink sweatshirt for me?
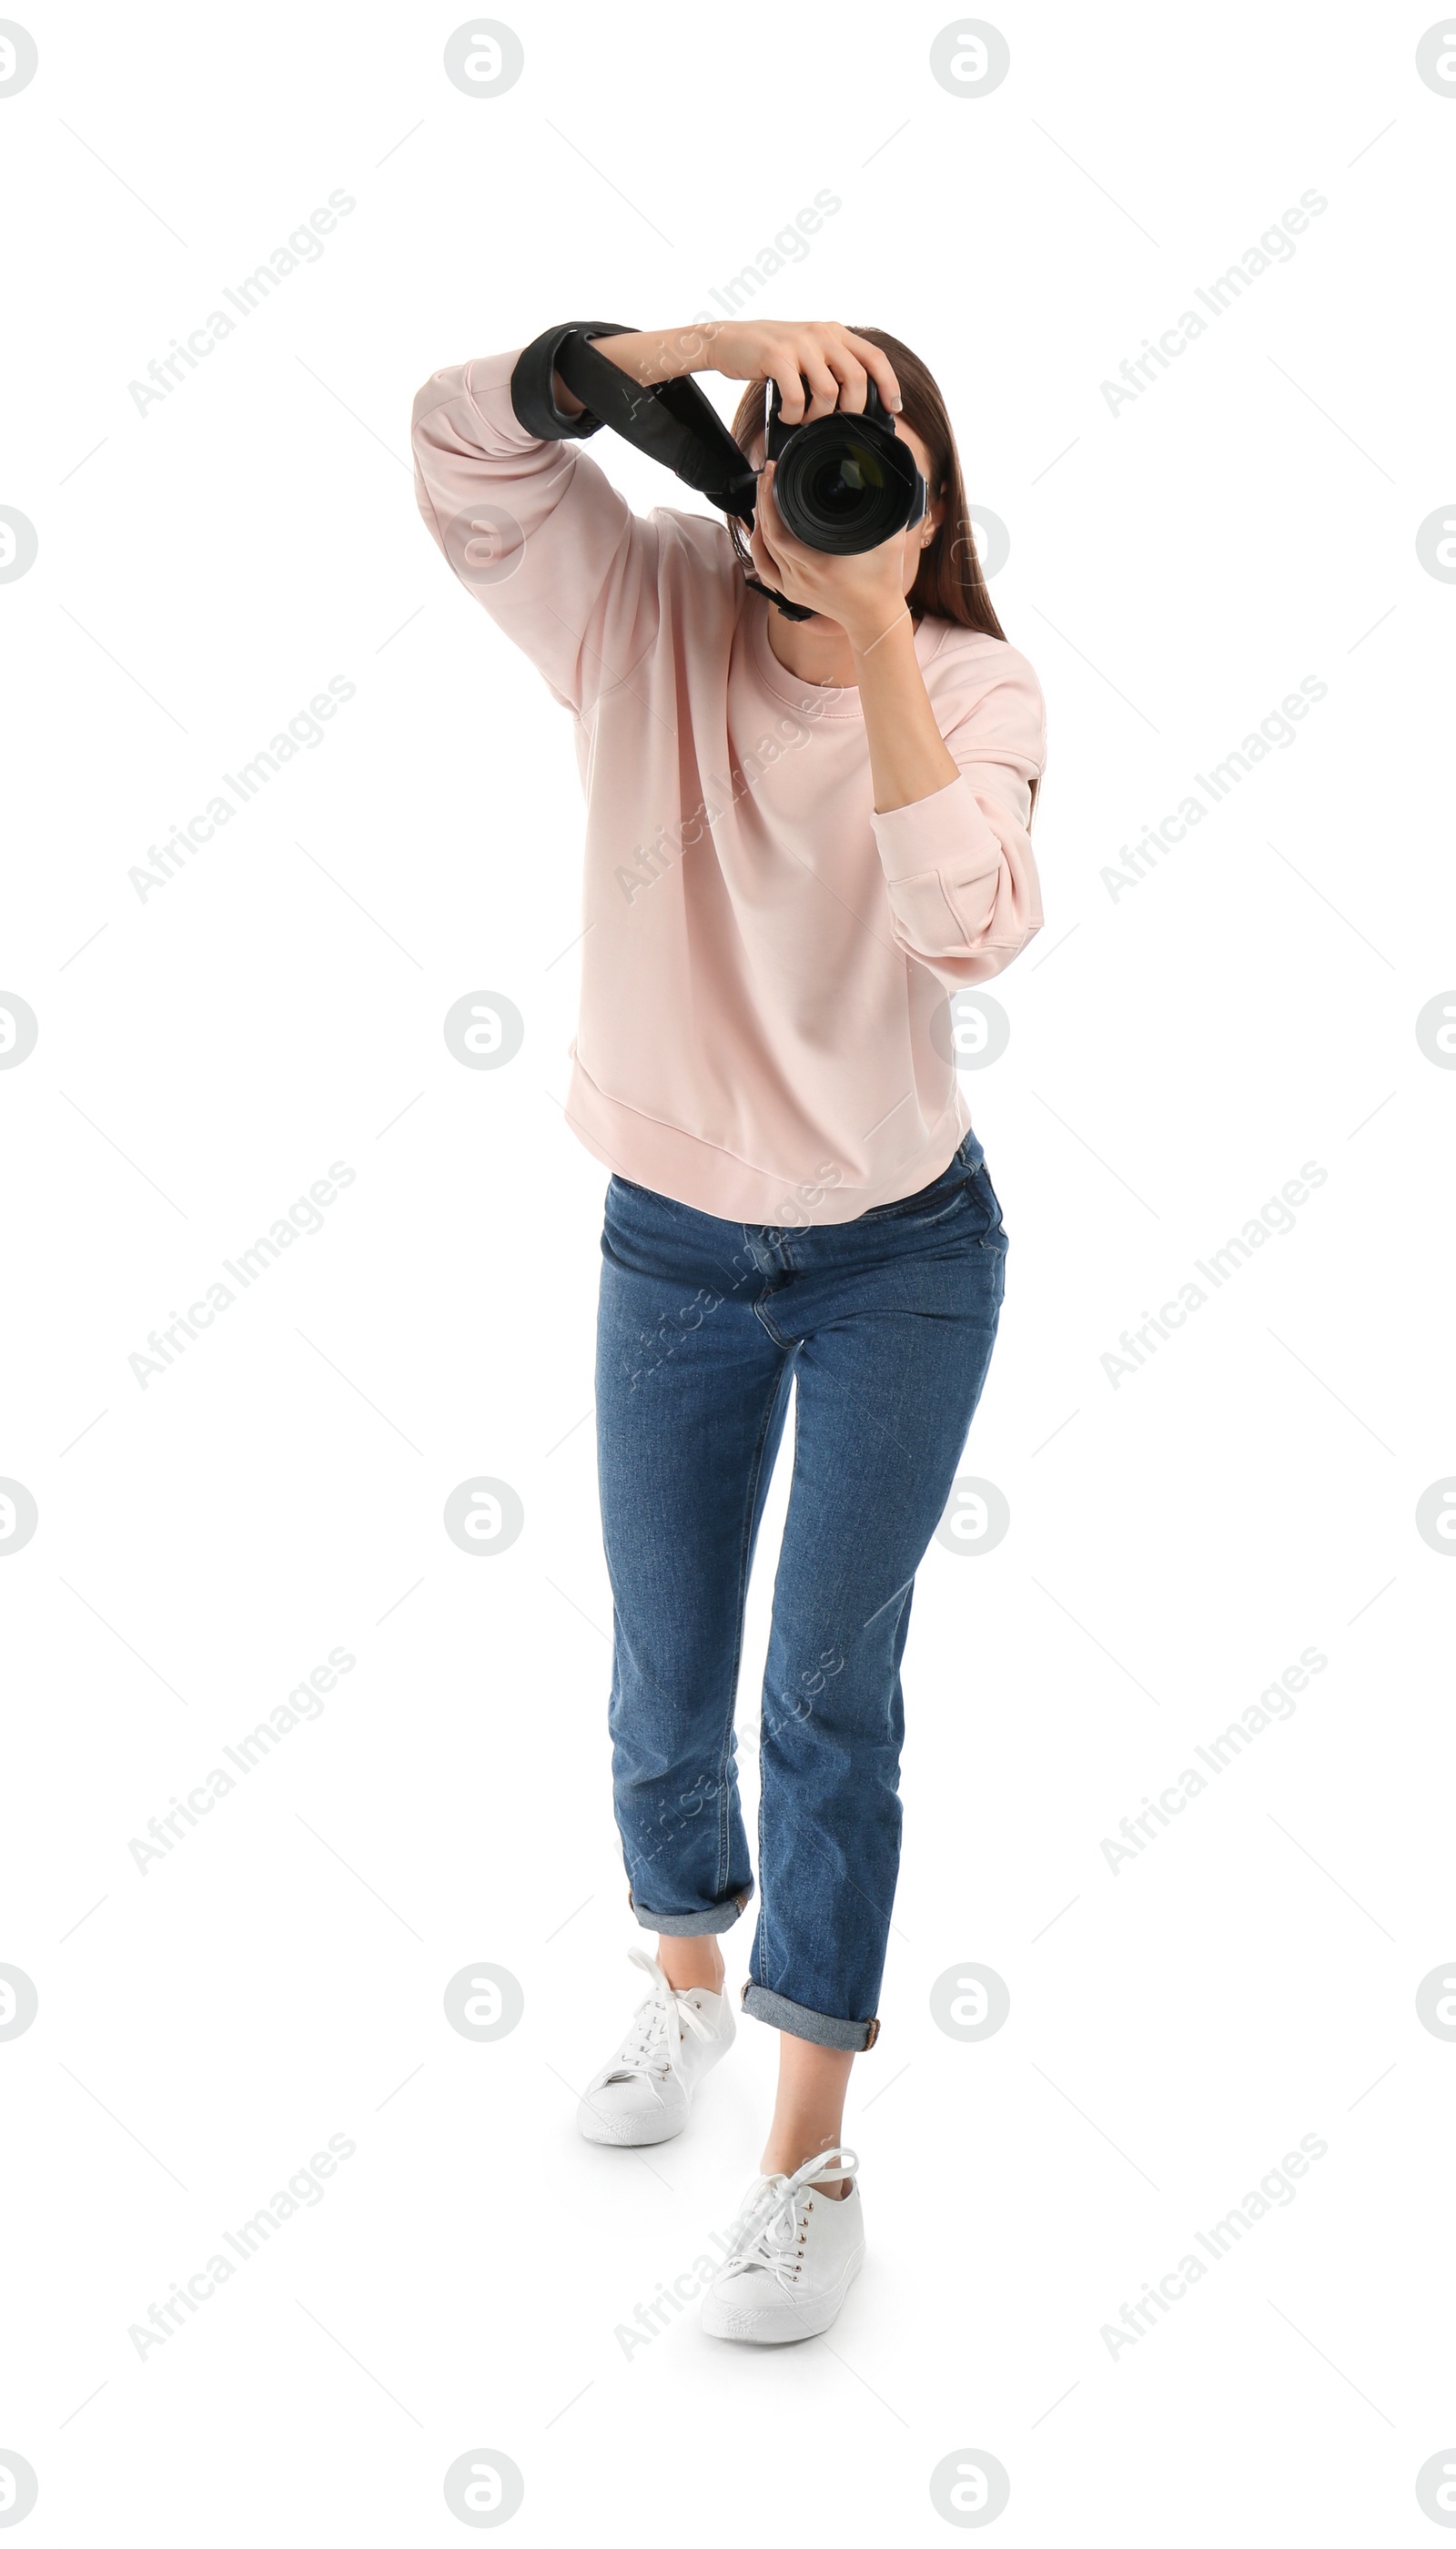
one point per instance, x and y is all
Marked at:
(764, 957)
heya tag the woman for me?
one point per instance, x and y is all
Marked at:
(803, 834)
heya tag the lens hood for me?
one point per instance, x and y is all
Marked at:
(846, 482)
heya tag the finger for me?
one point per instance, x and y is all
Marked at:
(879, 367)
(765, 565)
(783, 544)
(851, 376)
(823, 388)
(768, 520)
(790, 390)
(781, 551)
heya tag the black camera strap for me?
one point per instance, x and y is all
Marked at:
(670, 421)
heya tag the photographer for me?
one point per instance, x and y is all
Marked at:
(763, 1061)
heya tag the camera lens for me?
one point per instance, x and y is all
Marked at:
(840, 487)
(843, 485)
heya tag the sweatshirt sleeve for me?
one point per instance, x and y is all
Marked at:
(965, 895)
(536, 532)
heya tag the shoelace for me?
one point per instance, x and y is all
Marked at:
(770, 2233)
(656, 2035)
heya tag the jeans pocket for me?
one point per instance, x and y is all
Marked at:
(946, 1209)
(969, 1211)
(932, 1202)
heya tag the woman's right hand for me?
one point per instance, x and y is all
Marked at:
(832, 359)
(835, 363)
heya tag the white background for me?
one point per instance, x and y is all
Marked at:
(1177, 1053)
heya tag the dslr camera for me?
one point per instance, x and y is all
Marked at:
(846, 482)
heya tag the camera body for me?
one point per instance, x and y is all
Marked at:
(846, 482)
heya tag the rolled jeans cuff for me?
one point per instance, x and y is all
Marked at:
(845, 2034)
(691, 1925)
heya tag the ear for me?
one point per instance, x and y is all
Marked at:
(924, 531)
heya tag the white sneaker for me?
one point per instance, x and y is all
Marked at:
(643, 2093)
(793, 2259)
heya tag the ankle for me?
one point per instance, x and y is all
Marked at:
(692, 1964)
(778, 2162)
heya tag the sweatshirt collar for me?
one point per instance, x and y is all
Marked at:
(824, 699)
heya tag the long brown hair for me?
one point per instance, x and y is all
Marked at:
(949, 579)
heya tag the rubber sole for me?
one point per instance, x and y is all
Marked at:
(628, 2134)
(768, 2327)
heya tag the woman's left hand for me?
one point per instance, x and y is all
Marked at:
(864, 594)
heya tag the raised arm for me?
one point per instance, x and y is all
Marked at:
(958, 864)
(534, 531)
(832, 359)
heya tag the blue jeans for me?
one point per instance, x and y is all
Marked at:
(888, 1322)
